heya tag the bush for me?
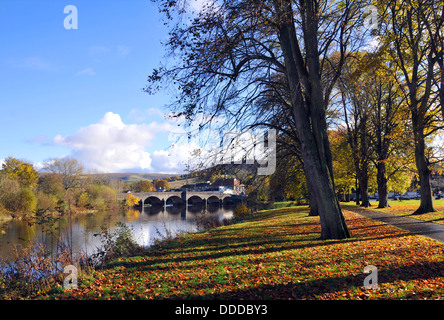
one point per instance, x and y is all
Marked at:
(240, 211)
(84, 200)
(131, 200)
(28, 200)
(116, 243)
(102, 197)
(99, 204)
(45, 201)
(32, 269)
(10, 194)
(210, 222)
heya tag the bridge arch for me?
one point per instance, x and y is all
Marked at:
(195, 200)
(174, 200)
(212, 200)
(227, 200)
(153, 201)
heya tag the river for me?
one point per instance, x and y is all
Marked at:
(81, 230)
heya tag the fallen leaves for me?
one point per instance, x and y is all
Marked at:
(276, 255)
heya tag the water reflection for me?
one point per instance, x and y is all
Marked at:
(81, 231)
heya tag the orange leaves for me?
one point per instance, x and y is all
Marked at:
(277, 255)
(131, 200)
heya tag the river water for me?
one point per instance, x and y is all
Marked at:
(81, 231)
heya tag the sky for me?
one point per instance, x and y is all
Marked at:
(78, 92)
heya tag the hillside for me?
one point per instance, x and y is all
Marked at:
(133, 176)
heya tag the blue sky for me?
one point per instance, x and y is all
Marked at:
(79, 92)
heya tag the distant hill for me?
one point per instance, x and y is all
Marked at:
(134, 176)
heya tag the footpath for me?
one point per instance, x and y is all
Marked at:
(414, 226)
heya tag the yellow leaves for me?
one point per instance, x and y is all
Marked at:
(131, 200)
(23, 171)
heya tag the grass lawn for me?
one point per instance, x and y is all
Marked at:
(275, 254)
(407, 207)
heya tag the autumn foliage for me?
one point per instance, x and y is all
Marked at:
(276, 254)
(131, 200)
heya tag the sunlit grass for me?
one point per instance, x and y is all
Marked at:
(408, 207)
(275, 254)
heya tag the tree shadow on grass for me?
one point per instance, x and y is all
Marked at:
(256, 248)
(312, 288)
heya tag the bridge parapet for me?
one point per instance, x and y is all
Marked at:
(183, 195)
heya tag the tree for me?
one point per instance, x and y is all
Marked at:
(10, 193)
(391, 135)
(131, 200)
(51, 184)
(412, 35)
(102, 197)
(27, 200)
(68, 169)
(84, 200)
(143, 185)
(375, 115)
(23, 171)
(357, 112)
(161, 184)
(343, 162)
(231, 52)
(288, 181)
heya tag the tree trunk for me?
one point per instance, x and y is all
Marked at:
(424, 173)
(363, 185)
(382, 185)
(309, 114)
(313, 203)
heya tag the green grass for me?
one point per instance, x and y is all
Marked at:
(408, 207)
(274, 254)
(285, 204)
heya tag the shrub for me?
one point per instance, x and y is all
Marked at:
(28, 200)
(240, 211)
(116, 243)
(99, 204)
(84, 200)
(45, 201)
(10, 194)
(32, 269)
(102, 197)
(210, 222)
(131, 200)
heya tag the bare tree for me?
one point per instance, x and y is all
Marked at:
(68, 169)
(230, 53)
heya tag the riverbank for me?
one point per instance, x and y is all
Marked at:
(273, 254)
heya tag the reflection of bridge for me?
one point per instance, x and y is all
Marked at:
(184, 198)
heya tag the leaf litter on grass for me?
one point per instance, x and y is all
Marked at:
(276, 255)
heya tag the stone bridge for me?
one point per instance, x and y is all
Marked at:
(183, 197)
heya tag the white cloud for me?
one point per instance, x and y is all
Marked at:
(86, 71)
(200, 5)
(98, 50)
(123, 50)
(176, 158)
(139, 116)
(38, 166)
(111, 145)
(33, 63)
(2, 162)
